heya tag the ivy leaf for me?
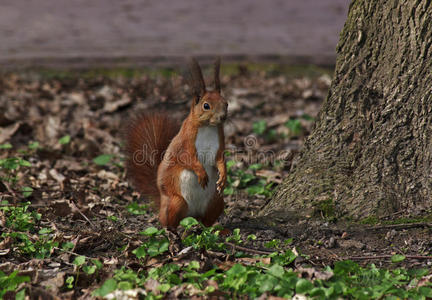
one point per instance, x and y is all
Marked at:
(97, 263)
(303, 286)
(89, 269)
(140, 252)
(107, 287)
(276, 270)
(103, 159)
(397, 258)
(150, 231)
(24, 163)
(26, 191)
(79, 260)
(259, 127)
(33, 145)
(188, 222)
(64, 140)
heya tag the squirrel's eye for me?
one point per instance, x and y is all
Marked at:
(206, 106)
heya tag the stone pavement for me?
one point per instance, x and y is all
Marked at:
(128, 32)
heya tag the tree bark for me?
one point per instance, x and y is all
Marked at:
(370, 152)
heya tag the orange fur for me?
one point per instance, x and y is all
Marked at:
(147, 138)
(161, 181)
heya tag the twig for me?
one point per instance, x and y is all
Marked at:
(260, 252)
(385, 257)
(401, 226)
(392, 214)
(83, 215)
(70, 252)
(11, 191)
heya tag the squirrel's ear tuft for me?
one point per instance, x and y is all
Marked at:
(216, 74)
(196, 80)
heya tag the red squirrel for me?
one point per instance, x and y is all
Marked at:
(182, 169)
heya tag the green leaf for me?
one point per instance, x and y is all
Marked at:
(24, 163)
(255, 167)
(33, 145)
(267, 284)
(307, 117)
(68, 246)
(69, 282)
(44, 231)
(9, 163)
(89, 269)
(251, 237)
(236, 269)
(194, 264)
(276, 270)
(397, 258)
(26, 191)
(164, 287)
(6, 146)
(64, 140)
(107, 287)
(79, 260)
(103, 159)
(150, 231)
(137, 209)
(425, 291)
(113, 218)
(259, 127)
(303, 286)
(230, 164)
(294, 126)
(140, 252)
(255, 190)
(97, 263)
(229, 191)
(124, 285)
(20, 295)
(188, 222)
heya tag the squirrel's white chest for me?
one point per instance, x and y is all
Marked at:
(197, 198)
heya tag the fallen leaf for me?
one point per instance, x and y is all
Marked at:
(113, 106)
(57, 176)
(55, 283)
(61, 208)
(312, 273)
(7, 132)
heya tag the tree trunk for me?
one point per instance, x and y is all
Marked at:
(370, 152)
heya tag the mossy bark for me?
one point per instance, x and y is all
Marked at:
(370, 152)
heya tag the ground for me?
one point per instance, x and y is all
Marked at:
(61, 151)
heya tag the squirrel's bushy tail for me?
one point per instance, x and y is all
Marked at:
(147, 138)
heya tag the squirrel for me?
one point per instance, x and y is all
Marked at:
(182, 168)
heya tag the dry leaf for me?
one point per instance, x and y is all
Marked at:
(7, 132)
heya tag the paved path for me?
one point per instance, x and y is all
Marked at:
(74, 31)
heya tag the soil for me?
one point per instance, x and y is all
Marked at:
(86, 203)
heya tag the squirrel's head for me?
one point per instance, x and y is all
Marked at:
(208, 107)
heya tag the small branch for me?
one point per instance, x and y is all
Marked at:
(70, 252)
(83, 215)
(260, 252)
(401, 226)
(385, 257)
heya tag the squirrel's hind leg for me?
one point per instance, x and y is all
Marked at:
(172, 211)
(214, 210)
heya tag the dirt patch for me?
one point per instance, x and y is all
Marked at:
(69, 131)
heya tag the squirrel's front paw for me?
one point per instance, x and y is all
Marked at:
(203, 179)
(220, 184)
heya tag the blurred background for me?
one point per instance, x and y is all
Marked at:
(132, 32)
